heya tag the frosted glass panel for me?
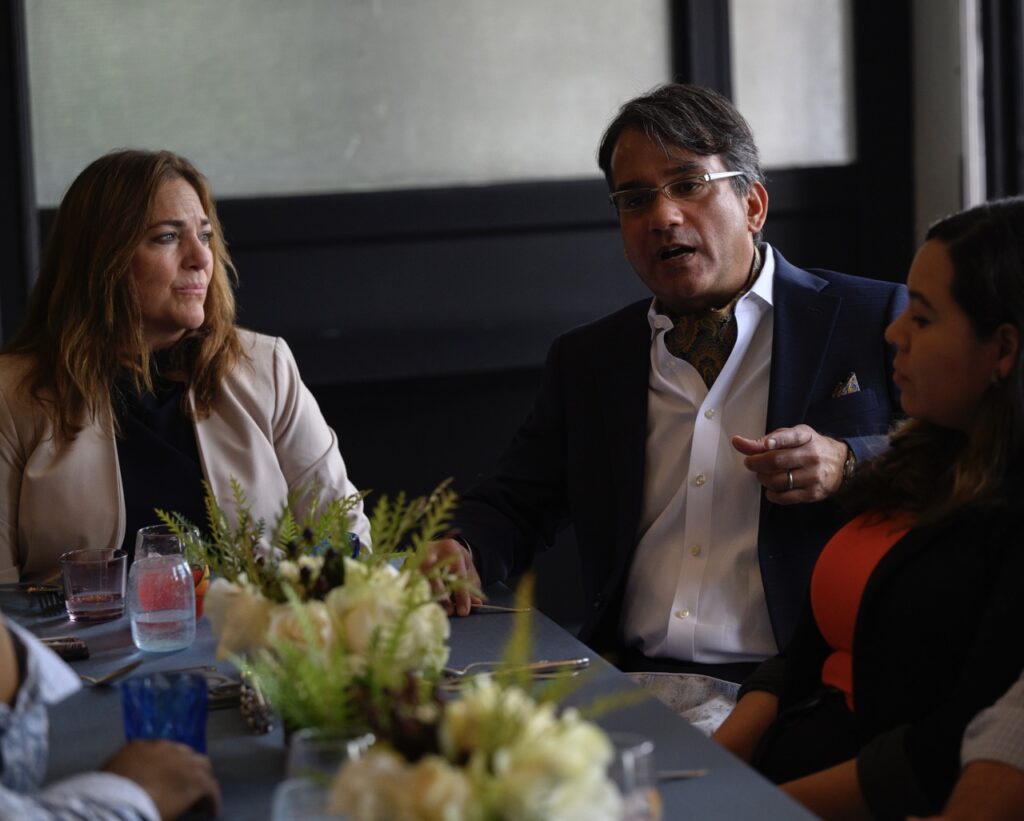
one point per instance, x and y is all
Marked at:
(792, 74)
(279, 97)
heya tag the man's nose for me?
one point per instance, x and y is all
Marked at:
(665, 212)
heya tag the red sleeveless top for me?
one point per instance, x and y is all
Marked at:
(837, 585)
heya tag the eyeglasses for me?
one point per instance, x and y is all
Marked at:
(689, 188)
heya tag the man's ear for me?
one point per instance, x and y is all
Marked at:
(757, 207)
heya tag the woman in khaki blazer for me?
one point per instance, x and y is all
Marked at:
(130, 383)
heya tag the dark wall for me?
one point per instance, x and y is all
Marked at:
(420, 319)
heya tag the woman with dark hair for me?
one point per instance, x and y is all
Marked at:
(129, 382)
(916, 606)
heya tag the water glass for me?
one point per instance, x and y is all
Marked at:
(632, 770)
(93, 583)
(166, 705)
(162, 603)
(315, 754)
(160, 540)
(299, 799)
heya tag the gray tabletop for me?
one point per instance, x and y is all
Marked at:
(87, 728)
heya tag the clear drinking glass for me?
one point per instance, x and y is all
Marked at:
(159, 540)
(93, 583)
(299, 799)
(632, 770)
(162, 603)
(314, 754)
(314, 758)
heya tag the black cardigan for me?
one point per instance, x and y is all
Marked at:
(939, 636)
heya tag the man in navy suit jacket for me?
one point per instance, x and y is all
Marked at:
(693, 440)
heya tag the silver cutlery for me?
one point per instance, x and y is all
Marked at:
(536, 667)
(679, 775)
(497, 608)
(106, 678)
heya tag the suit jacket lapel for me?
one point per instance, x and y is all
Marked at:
(803, 321)
(622, 377)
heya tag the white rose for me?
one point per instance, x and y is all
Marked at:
(433, 790)
(370, 606)
(365, 789)
(286, 624)
(313, 563)
(560, 774)
(238, 617)
(382, 786)
(490, 713)
(288, 570)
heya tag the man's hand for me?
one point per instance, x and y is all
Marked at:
(458, 561)
(176, 777)
(795, 464)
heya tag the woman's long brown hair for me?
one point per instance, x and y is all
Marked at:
(84, 323)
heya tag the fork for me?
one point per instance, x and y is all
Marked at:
(542, 666)
(49, 598)
(106, 678)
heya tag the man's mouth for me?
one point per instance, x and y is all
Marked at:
(672, 251)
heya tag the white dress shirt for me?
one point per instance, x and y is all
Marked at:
(24, 731)
(997, 734)
(694, 591)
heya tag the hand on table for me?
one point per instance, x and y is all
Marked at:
(458, 562)
(795, 465)
(176, 777)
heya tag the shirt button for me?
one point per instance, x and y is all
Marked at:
(709, 413)
(695, 550)
(700, 480)
(682, 614)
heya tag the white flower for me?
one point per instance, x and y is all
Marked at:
(490, 714)
(238, 616)
(314, 563)
(558, 774)
(529, 763)
(286, 624)
(382, 787)
(377, 602)
(288, 570)
(365, 788)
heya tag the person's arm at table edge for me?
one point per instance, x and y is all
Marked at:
(986, 791)
(756, 708)
(144, 779)
(991, 784)
(832, 794)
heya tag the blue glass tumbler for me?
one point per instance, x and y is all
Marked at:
(166, 705)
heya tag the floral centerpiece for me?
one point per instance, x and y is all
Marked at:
(325, 626)
(499, 751)
(499, 755)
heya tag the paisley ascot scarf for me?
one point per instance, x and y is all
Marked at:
(706, 338)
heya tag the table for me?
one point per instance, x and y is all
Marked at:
(86, 729)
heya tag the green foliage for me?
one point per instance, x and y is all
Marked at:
(400, 527)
